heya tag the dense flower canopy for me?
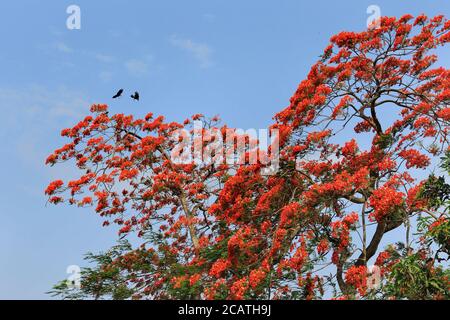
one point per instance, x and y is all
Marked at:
(356, 142)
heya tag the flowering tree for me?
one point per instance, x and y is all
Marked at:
(356, 145)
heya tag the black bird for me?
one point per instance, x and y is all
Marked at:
(118, 94)
(135, 96)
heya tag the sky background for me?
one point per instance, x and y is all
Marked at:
(239, 59)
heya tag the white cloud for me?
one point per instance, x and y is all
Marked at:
(37, 106)
(62, 47)
(101, 57)
(35, 115)
(137, 67)
(105, 76)
(104, 58)
(200, 51)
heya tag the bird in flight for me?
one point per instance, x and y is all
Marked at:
(135, 96)
(118, 94)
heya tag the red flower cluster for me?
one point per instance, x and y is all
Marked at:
(414, 158)
(437, 223)
(219, 267)
(357, 277)
(256, 276)
(384, 201)
(323, 246)
(53, 186)
(239, 288)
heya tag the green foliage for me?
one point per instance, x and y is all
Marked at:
(436, 191)
(416, 279)
(101, 281)
(385, 140)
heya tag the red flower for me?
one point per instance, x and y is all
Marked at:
(219, 267)
(323, 246)
(99, 108)
(256, 276)
(53, 186)
(357, 277)
(350, 148)
(194, 279)
(414, 158)
(437, 223)
(86, 201)
(382, 257)
(384, 201)
(239, 288)
(55, 200)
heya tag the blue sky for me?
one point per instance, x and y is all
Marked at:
(240, 59)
